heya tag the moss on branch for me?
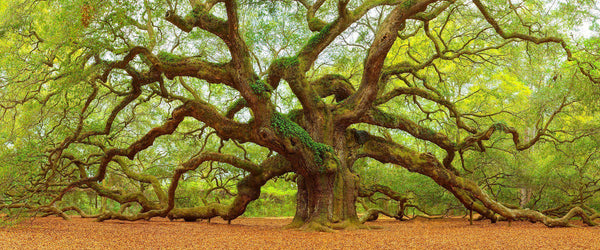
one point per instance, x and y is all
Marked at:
(384, 118)
(285, 63)
(261, 88)
(316, 24)
(289, 129)
(168, 57)
(294, 114)
(203, 19)
(407, 4)
(319, 37)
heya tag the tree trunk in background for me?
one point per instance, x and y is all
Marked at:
(525, 197)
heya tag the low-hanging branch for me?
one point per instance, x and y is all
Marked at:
(465, 190)
(146, 141)
(369, 191)
(386, 120)
(248, 189)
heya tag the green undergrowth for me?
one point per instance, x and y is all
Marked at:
(277, 199)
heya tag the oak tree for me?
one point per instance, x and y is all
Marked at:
(129, 99)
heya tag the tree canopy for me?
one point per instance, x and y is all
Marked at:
(185, 109)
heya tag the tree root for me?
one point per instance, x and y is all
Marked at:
(80, 212)
(46, 210)
(564, 221)
(314, 226)
(373, 214)
(140, 216)
(295, 224)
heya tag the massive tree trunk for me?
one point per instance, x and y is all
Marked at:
(327, 200)
(327, 187)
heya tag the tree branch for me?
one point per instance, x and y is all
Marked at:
(359, 103)
(465, 190)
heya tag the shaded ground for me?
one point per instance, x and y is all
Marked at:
(266, 233)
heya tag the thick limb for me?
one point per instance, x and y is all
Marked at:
(363, 98)
(467, 191)
(248, 189)
(372, 214)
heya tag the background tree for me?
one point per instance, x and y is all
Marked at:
(132, 101)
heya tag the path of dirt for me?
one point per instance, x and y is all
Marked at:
(266, 233)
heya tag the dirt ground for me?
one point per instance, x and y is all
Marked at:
(267, 233)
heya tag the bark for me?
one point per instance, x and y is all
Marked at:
(315, 147)
(327, 202)
(373, 214)
(327, 189)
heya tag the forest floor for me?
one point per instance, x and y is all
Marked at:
(267, 233)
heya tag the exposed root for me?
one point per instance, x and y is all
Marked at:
(465, 190)
(428, 217)
(79, 211)
(565, 220)
(313, 226)
(295, 224)
(505, 213)
(350, 225)
(373, 214)
(46, 210)
(140, 216)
